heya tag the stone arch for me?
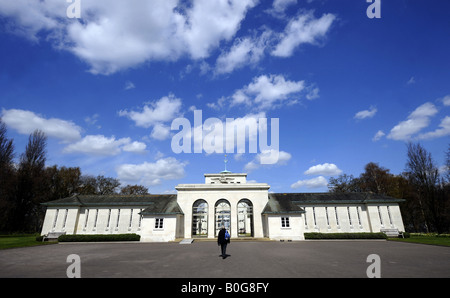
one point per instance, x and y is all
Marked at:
(245, 218)
(222, 212)
(200, 212)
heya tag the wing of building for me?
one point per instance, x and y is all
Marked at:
(245, 209)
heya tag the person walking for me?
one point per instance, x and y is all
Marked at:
(223, 239)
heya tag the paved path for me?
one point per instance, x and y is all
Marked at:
(246, 260)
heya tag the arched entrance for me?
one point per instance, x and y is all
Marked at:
(245, 218)
(200, 219)
(223, 215)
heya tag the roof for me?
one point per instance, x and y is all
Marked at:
(153, 204)
(293, 202)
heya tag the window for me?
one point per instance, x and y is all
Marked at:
(118, 217)
(389, 213)
(349, 216)
(96, 217)
(285, 222)
(131, 219)
(159, 223)
(381, 218)
(109, 218)
(65, 219)
(56, 217)
(337, 219)
(314, 216)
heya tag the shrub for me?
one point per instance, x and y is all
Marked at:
(99, 238)
(345, 236)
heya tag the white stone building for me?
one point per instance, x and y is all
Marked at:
(245, 209)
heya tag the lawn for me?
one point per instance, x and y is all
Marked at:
(426, 239)
(23, 240)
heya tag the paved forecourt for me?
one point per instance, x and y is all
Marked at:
(247, 259)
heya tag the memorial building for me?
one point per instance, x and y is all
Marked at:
(226, 198)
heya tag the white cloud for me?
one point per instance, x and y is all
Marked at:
(129, 85)
(267, 92)
(279, 6)
(25, 122)
(135, 147)
(163, 110)
(366, 113)
(417, 120)
(245, 51)
(444, 130)
(160, 132)
(446, 100)
(147, 30)
(378, 136)
(103, 146)
(283, 158)
(303, 29)
(326, 169)
(149, 174)
(317, 182)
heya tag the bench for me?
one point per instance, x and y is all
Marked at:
(52, 236)
(392, 233)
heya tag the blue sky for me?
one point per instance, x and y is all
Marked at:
(347, 89)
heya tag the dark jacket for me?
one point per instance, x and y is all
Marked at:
(221, 237)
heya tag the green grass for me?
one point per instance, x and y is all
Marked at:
(425, 239)
(23, 240)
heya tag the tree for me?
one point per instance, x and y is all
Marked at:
(344, 183)
(62, 182)
(134, 190)
(31, 191)
(7, 179)
(423, 174)
(99, 185)
(376, 179)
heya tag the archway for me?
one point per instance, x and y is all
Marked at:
(200, 219)
(245, 218)
(223, 215)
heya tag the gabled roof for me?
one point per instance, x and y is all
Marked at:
(153, 204)
(293, 202)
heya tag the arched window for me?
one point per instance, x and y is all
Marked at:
(223, 215)
(200, 219)
(245, 218)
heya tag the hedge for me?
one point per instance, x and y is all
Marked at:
(345, 236)
(99, 238)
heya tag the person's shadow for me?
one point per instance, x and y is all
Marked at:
(224, 257)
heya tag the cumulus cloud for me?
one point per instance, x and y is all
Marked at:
(283, 158)
(366, 113)
(444, 130)
(313, 183)
(147, 30)
(326, 169)
(149, 174)
(100, 145)
(304, 29)
(25, 122)
(446, 100)
(245, 51)
(417, 120)
(155, 113)
(378, 135)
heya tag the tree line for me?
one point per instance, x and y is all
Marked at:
(425, 190)
(25, 184)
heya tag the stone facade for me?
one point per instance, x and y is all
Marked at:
(245, 209)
